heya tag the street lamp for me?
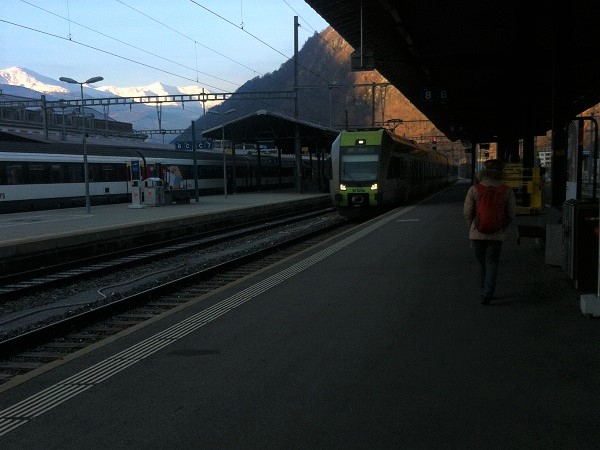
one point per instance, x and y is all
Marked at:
(86, 175)
(223, 145)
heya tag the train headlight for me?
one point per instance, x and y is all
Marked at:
(374, 187)
(342, 187)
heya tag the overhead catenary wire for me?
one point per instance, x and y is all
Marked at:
(289, 58)
(327, 84)
(106, 52)
(136, 47)
(191, 39)
(70, 38)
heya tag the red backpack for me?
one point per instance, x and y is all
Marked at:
(490, 215)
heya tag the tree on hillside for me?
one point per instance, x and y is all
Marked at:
(329, 93)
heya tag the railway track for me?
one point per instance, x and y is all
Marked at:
(36, 348)
(28, 282)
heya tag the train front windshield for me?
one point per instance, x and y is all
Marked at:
(358, 164)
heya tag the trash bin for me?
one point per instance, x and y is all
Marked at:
(154, 194)
(580, 227)
(137, 193)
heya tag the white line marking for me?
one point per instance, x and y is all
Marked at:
(24, 411)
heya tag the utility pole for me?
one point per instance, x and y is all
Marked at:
(297, 149)
(196, 191)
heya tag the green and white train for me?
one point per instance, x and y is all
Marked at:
(376, 169)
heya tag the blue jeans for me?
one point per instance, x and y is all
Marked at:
(487, 253)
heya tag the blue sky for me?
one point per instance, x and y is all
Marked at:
(217, 44)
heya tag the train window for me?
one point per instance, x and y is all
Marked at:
(269, 171)
(57, 174)
(111, 172)
(408, 169)
(15, 173)
(75, 172)
(213, 172)
(38, 174)
(187, 172)
(241, 171)
(359, 167)
(94, 172)
(122, 173)
(394, 167)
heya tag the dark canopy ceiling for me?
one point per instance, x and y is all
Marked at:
(267, 126)
(492, 69)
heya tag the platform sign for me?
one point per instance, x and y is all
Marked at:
(135, 170)
(189, 145)
(435, 94)
(362, 61)
(267, 147)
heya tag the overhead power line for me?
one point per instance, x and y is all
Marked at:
(108, 53)
(141, 49)
(327, 84)
(191, 39)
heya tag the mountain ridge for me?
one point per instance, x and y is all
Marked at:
(28, 83)
(339, 99)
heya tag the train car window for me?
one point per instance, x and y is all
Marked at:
(241, 171)
(75, 172)
(57, 174)
(122, 172)
(38, 174)
(15, 173)
(3, 173)
(358, 167)
(110, 172)
(187, 172)
(394, 167)
(93, 173)
(213, 172)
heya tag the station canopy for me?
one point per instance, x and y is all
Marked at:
(479, 70)
(265, 126)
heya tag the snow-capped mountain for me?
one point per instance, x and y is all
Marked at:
(174, 116)
(40, 84)
(151, 89)
(15, 76)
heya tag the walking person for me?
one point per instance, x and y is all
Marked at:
(489, 209)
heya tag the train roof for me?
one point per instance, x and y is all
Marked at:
(377, 135)
(417, 150)
(123, 149)
(107, 147)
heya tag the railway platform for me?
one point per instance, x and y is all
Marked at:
(373, 339)
(37, 235)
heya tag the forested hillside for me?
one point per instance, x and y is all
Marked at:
(330, 94)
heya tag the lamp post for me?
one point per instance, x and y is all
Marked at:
(223, 146)
(86, 175)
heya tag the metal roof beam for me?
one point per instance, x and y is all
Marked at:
(203, 97)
